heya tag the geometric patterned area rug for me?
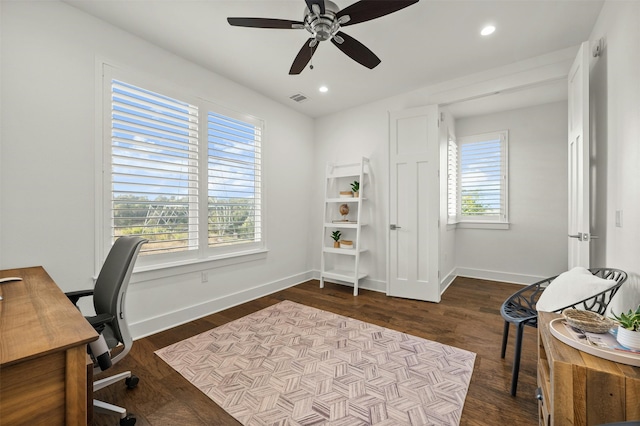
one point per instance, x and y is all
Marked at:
(291, 364)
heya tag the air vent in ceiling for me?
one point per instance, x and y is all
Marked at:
(298, 97)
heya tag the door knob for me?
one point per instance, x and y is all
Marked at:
(393, 227)
(584, 236)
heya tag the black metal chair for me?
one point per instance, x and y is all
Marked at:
(520, 309)
(110, 321)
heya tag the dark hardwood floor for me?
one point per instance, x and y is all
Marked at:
(468, 317)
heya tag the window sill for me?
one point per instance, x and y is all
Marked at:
(152, 272)
(483, 225)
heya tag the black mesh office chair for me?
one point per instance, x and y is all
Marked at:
(520, 309)
(110, 320)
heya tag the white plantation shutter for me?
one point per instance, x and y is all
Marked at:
(154, 168)
(180, 171)
(483, 177)
(452, 180)
(234, 180)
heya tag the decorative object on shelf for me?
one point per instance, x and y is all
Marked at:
(336, 238)
(346, 244)
(629, 328)
(355, 187)
(344, 211)
(587, 321)
(346, 194)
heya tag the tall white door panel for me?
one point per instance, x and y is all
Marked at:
(579, 232)
(414, 204)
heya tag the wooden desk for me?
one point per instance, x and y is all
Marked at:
(43, 355)
(582, 389)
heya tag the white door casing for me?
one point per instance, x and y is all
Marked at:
(414, 198)
(579, 160)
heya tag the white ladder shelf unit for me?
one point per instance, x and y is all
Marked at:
(343, 264)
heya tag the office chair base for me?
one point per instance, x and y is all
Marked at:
(103, 407)
(130, 380)
(106, 408)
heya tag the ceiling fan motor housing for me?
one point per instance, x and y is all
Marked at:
(322, 26)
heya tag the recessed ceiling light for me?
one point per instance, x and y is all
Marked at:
(489, 29)
(323, 89)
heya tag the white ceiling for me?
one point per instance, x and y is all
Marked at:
(426, 43)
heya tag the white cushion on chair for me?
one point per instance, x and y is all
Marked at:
(571, 287)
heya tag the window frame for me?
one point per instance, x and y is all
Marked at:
(213, 256)
(467, 221)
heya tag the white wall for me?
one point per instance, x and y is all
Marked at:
(48, 171)
(535, 245)
(615, 86)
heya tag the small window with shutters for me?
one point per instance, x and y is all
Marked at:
(481, 175)
(182, 172)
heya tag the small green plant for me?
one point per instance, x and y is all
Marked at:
(355, 186)
(336, 235)
(630, 320)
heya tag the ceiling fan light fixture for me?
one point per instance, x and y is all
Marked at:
(344, 19)
(322, 25)
(323, 89)
(488, 30)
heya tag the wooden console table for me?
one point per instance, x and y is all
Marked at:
(43, 352)
(582, 389)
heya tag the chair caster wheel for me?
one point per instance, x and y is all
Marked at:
(128, 421)
(132, 382)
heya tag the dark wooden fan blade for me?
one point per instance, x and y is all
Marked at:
(265, 23)
(356, 50)
(366, 10)
(320, 4)
(303, 58)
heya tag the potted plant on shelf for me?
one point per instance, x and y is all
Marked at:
(629, 328)
(355, 187)
(336, 238)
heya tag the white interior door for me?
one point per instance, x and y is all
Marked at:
(579, 160)
(414, 204)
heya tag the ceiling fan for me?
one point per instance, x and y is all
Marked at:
(323, 19)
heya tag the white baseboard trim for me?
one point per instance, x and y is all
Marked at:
(160, 323)
(446, 282)
(506, 277)
(169, 320)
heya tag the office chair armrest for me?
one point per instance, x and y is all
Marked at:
(74, 296)
(99, 321)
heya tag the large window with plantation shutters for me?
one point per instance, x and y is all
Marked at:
(477, 169)
(182, 172)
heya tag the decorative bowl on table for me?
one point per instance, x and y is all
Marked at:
(588, 321)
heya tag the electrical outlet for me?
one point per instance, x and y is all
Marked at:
(618, 218)
(204, 277)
